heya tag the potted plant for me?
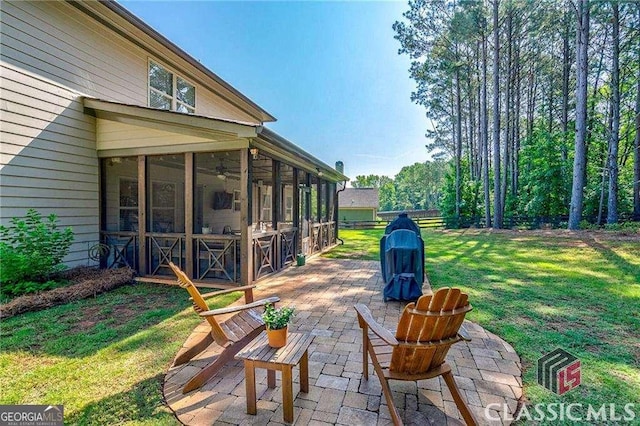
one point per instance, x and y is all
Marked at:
(276, 321)
(206, 229)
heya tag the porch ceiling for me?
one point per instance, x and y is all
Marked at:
(130, 130)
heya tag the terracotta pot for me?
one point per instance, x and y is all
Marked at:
(277, 338)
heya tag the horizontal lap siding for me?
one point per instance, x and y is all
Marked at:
(48, 157)
(356, 214)
(51, 55)
(81, 54)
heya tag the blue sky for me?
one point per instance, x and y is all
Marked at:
(327, 70)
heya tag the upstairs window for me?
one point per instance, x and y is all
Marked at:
(170, 91)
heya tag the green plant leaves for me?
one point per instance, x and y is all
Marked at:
(276, 319)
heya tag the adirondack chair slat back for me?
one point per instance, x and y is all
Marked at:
(200, 305)
(433, 319)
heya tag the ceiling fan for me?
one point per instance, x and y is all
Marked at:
(224, 173)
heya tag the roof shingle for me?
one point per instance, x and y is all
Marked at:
(359, 198)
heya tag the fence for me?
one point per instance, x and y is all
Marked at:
(425, 222)
(511, 222)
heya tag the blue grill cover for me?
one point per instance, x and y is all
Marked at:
(402, 261)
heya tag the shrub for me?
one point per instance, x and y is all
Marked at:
(31, 249)
(586, 225)
(623, 226)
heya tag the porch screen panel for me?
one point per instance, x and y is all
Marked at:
(304, 203)
(323, 202)
(331, 193)
(288, 232)
(315, 218)
(165, 194)
(262, 175)
(216, 216)
(120, 194)
(304, 211)
(285, 206)
(120, 212)
(216, 201)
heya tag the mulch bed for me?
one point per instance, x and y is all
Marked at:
(85, 282)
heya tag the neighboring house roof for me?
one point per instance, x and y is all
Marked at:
(359, 198)
(99, 10)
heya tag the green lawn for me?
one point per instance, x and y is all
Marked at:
(102, 358)
(539, 292)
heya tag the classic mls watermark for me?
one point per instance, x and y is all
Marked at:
(558, 412)
(31, 415)
(559, 371)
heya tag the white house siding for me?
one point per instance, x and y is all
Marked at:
(51, 55)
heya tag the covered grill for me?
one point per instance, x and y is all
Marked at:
(402, 260)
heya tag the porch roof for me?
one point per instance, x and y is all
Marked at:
(125, 129)
(284, 149)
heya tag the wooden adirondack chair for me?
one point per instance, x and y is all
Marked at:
(231, 334)
(426, 330)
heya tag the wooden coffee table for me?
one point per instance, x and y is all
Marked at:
(258, 354)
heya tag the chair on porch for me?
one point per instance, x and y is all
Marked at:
(426, 330)
(230, 334)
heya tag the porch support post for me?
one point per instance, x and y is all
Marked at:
(142, 215)
(102, 208)
(188, 214)
(307, 212)
(296, 210)
(276, 182)
(246, 220)
(276, 204)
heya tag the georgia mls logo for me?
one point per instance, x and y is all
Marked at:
(559, 371)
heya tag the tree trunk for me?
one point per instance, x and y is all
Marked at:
(579, 163)
(612, 200)
(508, 107)
(566, 68)
(473, 159)
(485, 135)
(603, 182)
(604, 160)
(458, 142)
(497, 199)
(516, 127)
(551, 103)
(636, 145)
(478, 94)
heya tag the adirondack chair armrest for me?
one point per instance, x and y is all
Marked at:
(239, 308)
(245, 288)
(462, 332)
(364, 315)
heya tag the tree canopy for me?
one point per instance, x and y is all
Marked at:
(539, 98)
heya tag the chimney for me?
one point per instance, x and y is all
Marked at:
(340, 166)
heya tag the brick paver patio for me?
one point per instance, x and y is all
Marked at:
(487, 369)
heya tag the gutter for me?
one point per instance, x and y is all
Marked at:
(286, 149)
